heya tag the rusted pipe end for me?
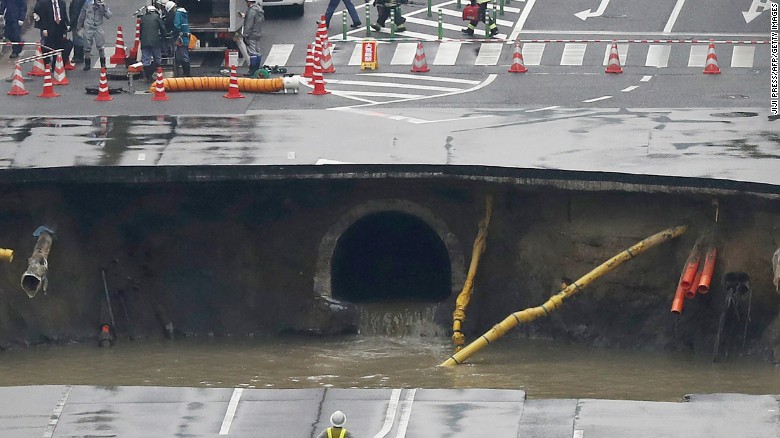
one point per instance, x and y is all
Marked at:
(6, 255)
(31, 284)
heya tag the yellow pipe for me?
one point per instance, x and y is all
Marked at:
(211, 83)
(556, 300)
(459, 315)
(6, 255)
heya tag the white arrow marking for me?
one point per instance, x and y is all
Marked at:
(751, 14)
(583, 15)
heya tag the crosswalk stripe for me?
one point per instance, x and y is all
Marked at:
(279, 54)
(622, 53)
(573, 54)
(489, 54)
(447, 54)
(354, 59)
(698, 55)
(532, 53)
(658, 55)
(404, 54)
(742, 56)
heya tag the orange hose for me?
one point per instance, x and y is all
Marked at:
(706, 272)
(679, 299)
(212, 83)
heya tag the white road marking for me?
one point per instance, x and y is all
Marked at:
(404, 54)
(356, 53)
(646, 78)
(54, 418)
(447, 54)
(579, 433)
(672, 18)
(279, 54)
(422, 78)
(658, 55)
(532, 53)
(489, 80)
(584, 15)
(231, 411)
(391, 85)
(402, 96)
(141, 156)
(596, 99)
(753, 12)
(573, 53)
(406, 413)
(631, 88)
(543, 109)
(622, 53)
(521, 21)
(698, 55)
(743, 56)
(489, 54)
(390, 414)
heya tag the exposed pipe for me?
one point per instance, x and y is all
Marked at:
(703, 285)
(6, 255)
(214, 83)
(679, 299)
(556, 300)
(35, 279)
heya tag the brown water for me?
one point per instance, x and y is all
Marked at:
(544, 369)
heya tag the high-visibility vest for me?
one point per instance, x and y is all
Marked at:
(341, 435)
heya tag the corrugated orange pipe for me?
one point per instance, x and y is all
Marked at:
(214, 83)
(706, 273)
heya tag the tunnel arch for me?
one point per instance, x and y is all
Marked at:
(372, 216)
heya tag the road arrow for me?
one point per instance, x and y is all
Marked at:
(583, 15)
(754, 12)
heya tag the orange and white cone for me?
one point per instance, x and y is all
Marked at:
(48, 87)
(233, 91)
(59, 72)
(103, 94)
(319, 81)
(119, 51)
(137, 41)
(420, 65)
(711, 66)
(17, 84)
(159, 87)
(518, 65)
(67, 66)
(326, 61)
(613, 65)
(38, 68)
(308, 71)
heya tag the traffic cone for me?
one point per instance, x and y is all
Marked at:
(38, 66)
(711, 66)
(103, 93)
(319, 82)
(518, 65)
(17, 85)
(119, 51)
(233, 91)
(137, 41)
(48, 88)
(59, 72)
(159, 87)
(308, 71)
(326, 60)
(68, 66)
(613, 65)
(420, 65)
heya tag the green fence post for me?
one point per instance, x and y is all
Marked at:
(392, 24)
(459, 5)
(495, 10)
(344, 25)
(501, 5)
(429, 8)
(441, 26)
(368, 20)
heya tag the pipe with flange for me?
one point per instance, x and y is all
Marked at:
(556, 300)
(6, 255)
(703, 285)
(35, 278)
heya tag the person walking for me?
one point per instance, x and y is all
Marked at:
(90, 26)
(332, 4)
(52, 20)
(74, 10)
(181, 38)
(252, 32)
(337, 421)
(483, 17)
(383, 8)
(14, 12)
(152, 38)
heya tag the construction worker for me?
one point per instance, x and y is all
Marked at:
(383, 8)
(252, 32)
(337, 421)
(14, 12)
(152, 37)
(181, 40)
(483, 17)
(90, 26)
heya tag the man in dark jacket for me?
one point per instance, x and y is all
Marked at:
(152, 38)
(52, 19)
(14, 12)
(78, 41)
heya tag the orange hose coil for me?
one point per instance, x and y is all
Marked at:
(212, 83)
(706, 273)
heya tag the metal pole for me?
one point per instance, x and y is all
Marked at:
(459, 5)
(392, 24)
(494, 11)
(429, 8)
(501, 5)
(441, 28)
(344, 25)
(368, 20)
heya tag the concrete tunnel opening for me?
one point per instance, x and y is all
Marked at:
(390, 256)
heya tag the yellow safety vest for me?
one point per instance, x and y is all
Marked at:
(341, 435)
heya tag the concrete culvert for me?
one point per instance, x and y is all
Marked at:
(390, 256)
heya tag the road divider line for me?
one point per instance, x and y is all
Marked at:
(596, 99)
(406, 413)
(521, 21)
(543, 109)
(54, 418)
(231, 411)
(672, 18)
(646, 78)
(631, 88)
(392, 407)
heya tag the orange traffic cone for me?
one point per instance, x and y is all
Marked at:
(59, 72)
(103, 93)
(159, 87)
(613, 65)
(518, 65)
(711, 66)
(67, 66)
(233, 91)
(326, 61)
(420, 65)
(38, 66)
(17, 84)
(48, 88)
(137, 42)
(119, 51)
(308, 71)
(319, 82)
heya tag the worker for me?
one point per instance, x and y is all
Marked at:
(383, 8)
(152, 37)
(483, 17)
(90, 26)
(337, 421)
(14, 12)
(252, 31)
(181, 40)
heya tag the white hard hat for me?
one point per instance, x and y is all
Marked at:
(170, 5)
(151, 8)
(338, 419)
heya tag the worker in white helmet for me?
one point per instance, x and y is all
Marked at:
(337, 421)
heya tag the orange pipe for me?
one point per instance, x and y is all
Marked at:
(690, 292)
(706, 272)
(679, 299)
(691, 267)
(211, 83)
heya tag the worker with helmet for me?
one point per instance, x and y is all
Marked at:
(253, 20)
(181, 39)
(337, 421)
(152, 37)
(484, 17)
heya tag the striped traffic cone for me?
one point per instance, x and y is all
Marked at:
(308, 71)
(319, 82)
(159, 87)
(17, 84)
(67, 66)
(38, 66)
(420, 65)
(48, 88)
(518, 65)
(711, 66)
(59, 72)
(326, 60)
(137, 41)
(233, 91)
(613, 65)
(119, 51)
(103, 94)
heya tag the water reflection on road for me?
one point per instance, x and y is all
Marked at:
(544, 369)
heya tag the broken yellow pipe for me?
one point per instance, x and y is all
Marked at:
(556, 300)
(480, 243)
(6, 255)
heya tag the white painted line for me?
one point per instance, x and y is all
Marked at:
(646, 78)
(422, 78)
(698, 55)
(521, 21)
(406, 413)
(543, 109)
(391, 85)
(324, 161)
(54, 418)
(672, 18)
(390, 414)
(579, 433)
(447, 54)
(596, 99)
(631, 88)
(658, 55)
(291, 155)
(231, 411)
(743, 56)
(622, 53)
(573, 54)
(650, 35)
(532, 53)
(404, 54)
(455, 119)
(402, 96)
(141, 156)
(489, 80)
(356, 52)
(489, 54)
(279, 54)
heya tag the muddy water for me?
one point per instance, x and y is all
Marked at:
(543, 368)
